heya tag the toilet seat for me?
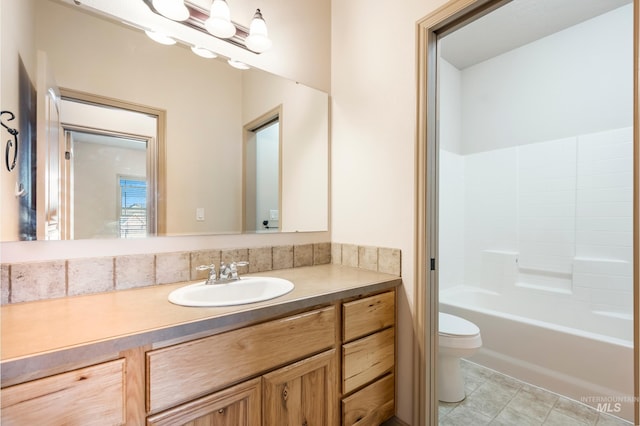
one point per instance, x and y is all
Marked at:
(457, 333)
(453, 326)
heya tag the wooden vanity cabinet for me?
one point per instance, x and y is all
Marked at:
(93, 395)
(237, 406)
(325, 366)
(311, 391)
(302, 393)
(185, 371)
(290, 364)
(368, 360)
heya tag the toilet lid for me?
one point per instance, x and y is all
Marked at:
(452, 325)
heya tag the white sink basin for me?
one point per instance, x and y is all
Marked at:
(245, 290)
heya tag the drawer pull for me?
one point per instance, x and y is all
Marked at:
(285, 393)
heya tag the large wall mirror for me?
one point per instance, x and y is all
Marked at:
(198, 169)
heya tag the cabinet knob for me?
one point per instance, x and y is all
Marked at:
(285, 393)
(221, 411)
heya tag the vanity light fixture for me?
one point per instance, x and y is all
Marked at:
(258, 39)
(205, 53)
(237, 64)
(219, 21)
(216, 21)
(172, 9)
(160, 38)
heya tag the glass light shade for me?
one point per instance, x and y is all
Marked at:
(219, 21)
(258, 39)
(237, 64)
(172, 9)
(205, 53)
(160, 38)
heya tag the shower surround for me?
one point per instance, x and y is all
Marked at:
(544, 234)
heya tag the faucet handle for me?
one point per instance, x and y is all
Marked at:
(230, 271)
(206, 267)
(234, 265)
(212, 272)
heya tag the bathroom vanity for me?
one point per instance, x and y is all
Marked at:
(322, 354)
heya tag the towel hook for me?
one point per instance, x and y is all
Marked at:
(14, 132)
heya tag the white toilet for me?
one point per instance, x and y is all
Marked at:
(458, 338)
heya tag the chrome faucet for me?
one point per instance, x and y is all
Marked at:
(212, 279)
(229, 272)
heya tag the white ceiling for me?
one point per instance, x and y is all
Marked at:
(516, 24)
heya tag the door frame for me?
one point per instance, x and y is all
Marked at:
(48, 147)
(160, 150)
(447, 18)
(248, 136)
(151, 164)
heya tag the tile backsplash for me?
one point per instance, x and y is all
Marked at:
(31, 281)
(380, 259)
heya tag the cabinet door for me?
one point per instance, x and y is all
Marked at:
(183, 372)
(89, 396)
(303, 393)
(236, 406)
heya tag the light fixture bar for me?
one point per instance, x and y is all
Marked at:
(197, 17)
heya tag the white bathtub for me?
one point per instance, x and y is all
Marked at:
(562, 349)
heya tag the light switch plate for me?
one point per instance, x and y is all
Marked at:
(200, 214)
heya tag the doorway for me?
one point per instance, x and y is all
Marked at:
(110, 193)
(451, 17)
(262, 173)
(114, 177)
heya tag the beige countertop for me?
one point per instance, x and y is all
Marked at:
(60, 331)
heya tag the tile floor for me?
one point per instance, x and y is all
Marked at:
(496, 399)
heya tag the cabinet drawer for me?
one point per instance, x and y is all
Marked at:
(181, 372)
(237, 406)
(367, 315)
(372, 405)
(88, 396)
(368, 358)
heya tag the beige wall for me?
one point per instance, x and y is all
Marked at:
(305, 162)
(96, 186)
(300, 31)
(93, 55)
(16, 38)
(373, 141)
